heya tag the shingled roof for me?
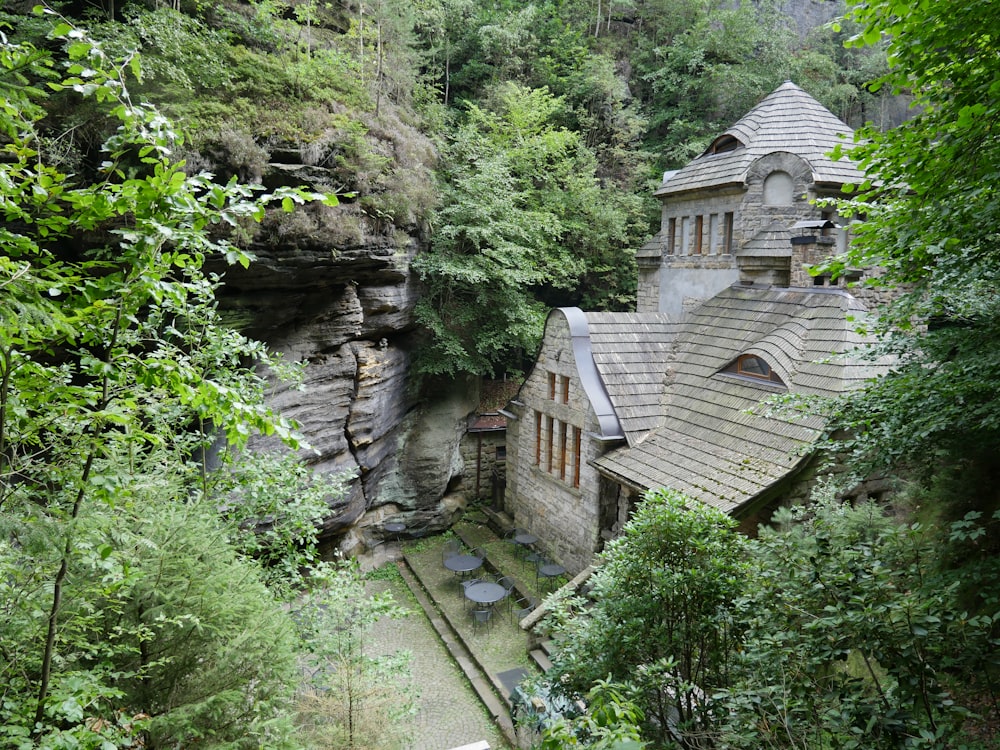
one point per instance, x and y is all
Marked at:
(630, 351)
(715, 443)
(789, 120)
(773, 240)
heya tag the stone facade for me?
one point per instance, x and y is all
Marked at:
(551, 440)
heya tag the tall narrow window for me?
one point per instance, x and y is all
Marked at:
(552, 386)
(727, 232)
(563, 429)
(671, 236)
(699, 228)
(570, 452)
(564, 391)
(577, 458)
(713, 234)
(538, 438)
(548, 444)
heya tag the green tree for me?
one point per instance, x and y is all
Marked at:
(661, 618)
(523, 215)
(860, 633)
(928, 226)
(126, 606)
(352, 699)
(704, 65)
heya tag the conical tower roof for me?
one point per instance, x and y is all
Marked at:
(788, 119)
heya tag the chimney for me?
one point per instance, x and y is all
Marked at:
(812, 243)
(763, 270)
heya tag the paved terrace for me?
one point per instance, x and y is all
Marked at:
(449, 656)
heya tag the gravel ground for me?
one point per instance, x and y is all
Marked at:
(449, 713)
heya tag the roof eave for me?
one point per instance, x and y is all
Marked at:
(590, 376)
(737, 184)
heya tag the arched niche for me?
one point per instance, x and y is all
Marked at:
(779, 189)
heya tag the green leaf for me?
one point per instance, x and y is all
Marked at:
(78, 50)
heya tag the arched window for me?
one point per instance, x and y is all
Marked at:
(779, 190)
(753, 366)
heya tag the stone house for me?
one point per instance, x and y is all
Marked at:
(597, 382)
(739, 200)
(676, 394)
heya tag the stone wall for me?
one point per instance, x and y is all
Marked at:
(565, 517)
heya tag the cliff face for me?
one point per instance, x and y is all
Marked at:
(332, 287)
(806, 15)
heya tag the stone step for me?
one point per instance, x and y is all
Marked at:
(541, 659)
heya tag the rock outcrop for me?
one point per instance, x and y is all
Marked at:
(332, 287)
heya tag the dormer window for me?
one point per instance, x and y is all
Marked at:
(752, 366)
(722, 144)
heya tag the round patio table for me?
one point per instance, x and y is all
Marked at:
(550, 571)
(394, 527)
(525, 539)
(485, 592)
(463, 563)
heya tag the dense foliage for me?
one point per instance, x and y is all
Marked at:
(144, 598)
(929, 226)
(523, 219)
(665, 593)
(838, 628)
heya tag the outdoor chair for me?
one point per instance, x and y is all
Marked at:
(525, 606)
(508, 584)
(482, 618)
(534, 557)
